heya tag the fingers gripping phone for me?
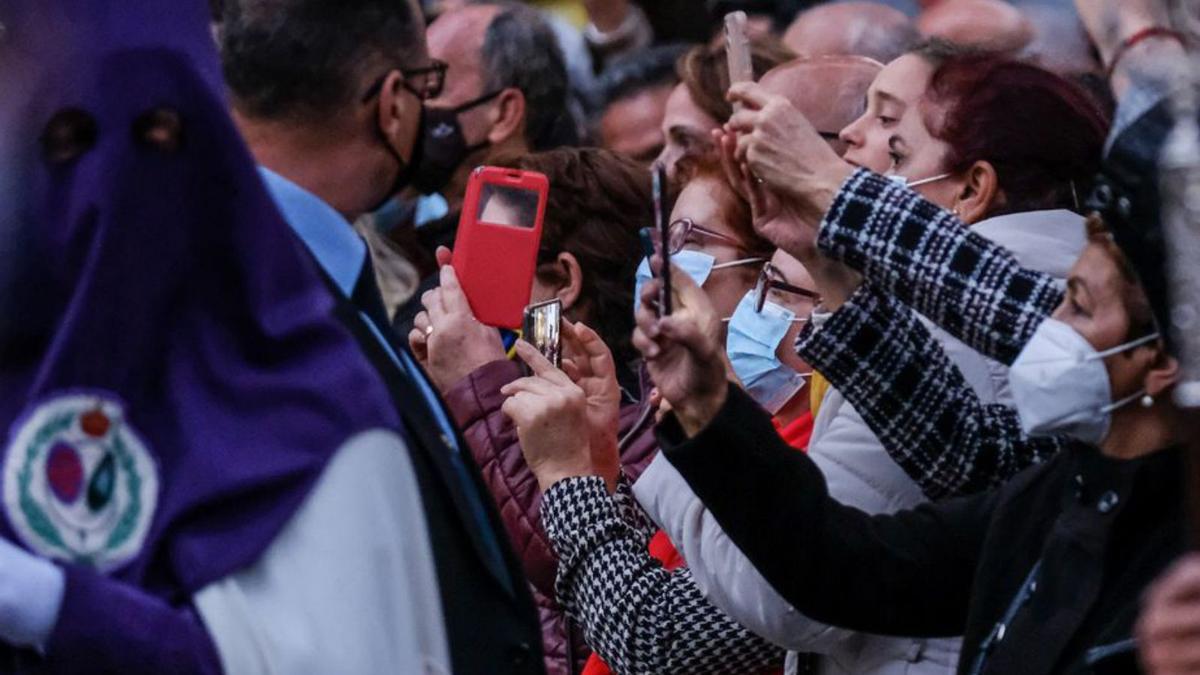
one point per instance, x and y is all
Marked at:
(662, 225)
(737, 50)
(542, 328)
(495, 250)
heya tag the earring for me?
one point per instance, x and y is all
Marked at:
(955, 212)
(1147, 401)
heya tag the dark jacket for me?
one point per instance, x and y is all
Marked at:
(491, 626)
(475, 404)
(1099, 530)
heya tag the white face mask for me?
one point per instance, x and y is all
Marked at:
(1061, 386)
(917, 183)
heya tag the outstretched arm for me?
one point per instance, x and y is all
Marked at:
(932, 423)
(925, 257)
(906, 574)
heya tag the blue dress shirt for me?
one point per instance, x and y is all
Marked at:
(342, 253)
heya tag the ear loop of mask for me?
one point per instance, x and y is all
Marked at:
(735, 263)
(793, 320)
(1124, 347)
(917, 183)
(1123, 402)
(1132, 344)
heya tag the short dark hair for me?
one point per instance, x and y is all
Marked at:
(644, 69)
(520, 50)
(306, 59)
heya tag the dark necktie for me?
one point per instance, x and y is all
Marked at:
(367, 299)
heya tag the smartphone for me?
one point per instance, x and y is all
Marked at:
(542, 328)
(737, 50)
(495, 250)
(662, 222)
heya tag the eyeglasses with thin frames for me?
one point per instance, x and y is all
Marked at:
(681, 231)
(771, 279)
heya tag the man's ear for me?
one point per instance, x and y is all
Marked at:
(980, 192)
(508, 116)
(571, 275)
(1163, 376)
(392, 108)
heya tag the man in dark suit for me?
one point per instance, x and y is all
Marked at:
(330, 98)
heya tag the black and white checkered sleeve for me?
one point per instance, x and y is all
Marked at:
(927, 258)
(639, 617)
(931, 422)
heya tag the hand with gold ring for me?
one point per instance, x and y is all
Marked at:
(447, 338)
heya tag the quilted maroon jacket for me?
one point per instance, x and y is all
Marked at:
(475, 403)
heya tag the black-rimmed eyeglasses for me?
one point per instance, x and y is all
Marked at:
(431, 78)
(770, 279)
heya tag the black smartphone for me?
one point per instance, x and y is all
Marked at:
(647, 236)
(662, 223)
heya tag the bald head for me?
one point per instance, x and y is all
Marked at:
(989, 24)
(856, 28)
(455, 37)
(830, 90)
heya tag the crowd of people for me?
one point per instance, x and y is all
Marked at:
(919, 403)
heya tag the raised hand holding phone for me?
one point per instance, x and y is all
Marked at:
(683, 351)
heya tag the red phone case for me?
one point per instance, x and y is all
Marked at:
(495, 262)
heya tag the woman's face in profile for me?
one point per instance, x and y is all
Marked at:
(891, 136)
(687, 131)
(700, 202)
(1095, 307)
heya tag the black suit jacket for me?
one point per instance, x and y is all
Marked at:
(491, 621)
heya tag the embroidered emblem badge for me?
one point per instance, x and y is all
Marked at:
(79, 484)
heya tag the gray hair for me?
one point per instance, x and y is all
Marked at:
(521, 51)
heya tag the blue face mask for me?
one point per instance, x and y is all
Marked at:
(697, 265)
(751, 345)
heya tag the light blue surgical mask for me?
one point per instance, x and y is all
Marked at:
(751, 345)
(697, 265)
